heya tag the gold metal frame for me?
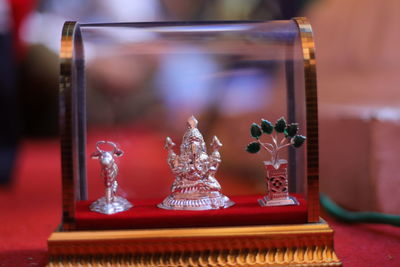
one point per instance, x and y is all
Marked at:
(309, 244)
(72, 97)
(310, 80)
(66, 125)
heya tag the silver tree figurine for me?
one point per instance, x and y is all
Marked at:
(282, 135)
(290, 137)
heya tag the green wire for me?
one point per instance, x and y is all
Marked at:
(357, 217)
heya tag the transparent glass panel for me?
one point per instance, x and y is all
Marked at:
(142, 81)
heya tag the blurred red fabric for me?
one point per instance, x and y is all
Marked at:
(20, 10)
(30, 210)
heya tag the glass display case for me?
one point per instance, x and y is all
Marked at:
(135, 84)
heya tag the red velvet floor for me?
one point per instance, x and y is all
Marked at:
(30, 211)
(145, 214)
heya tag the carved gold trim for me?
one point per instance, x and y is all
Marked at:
(307, 256)
(302, 245)
(310, 83)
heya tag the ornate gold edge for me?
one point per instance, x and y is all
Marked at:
(280, 245)
(65, 124)
(310, 79)
(304, 256)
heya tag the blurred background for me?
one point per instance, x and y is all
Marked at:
(358, 87)
(357, 73)
(357, 81)
(32, 31)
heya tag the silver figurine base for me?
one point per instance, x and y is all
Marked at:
(266, 202)
(181, 201)
(119, 204)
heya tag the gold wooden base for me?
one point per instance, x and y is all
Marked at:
(280, 245)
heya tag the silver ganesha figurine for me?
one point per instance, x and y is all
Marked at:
(195, 186)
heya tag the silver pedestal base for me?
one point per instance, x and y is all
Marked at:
(266, 202)
(118, 205)
(197, 202)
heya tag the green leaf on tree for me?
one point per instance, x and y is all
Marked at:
(280, 125)
(253, 147)
(298, 140)
(255, 130)
(291, 130)
(267, 126)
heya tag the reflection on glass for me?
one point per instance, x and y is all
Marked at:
(144, 80)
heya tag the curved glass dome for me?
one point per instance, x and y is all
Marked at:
(136, 83)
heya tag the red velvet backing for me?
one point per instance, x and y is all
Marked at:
(145, 214)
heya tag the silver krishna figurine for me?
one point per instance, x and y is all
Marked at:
(110, 203)
(195, 186)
